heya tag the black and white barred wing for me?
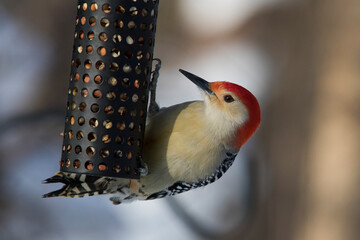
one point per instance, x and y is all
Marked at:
(180, 187)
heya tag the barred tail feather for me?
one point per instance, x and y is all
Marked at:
(78, 185)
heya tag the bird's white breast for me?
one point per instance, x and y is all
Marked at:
(180, 146)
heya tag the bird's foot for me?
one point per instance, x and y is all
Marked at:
(143, 170)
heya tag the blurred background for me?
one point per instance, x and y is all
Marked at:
(298, 178)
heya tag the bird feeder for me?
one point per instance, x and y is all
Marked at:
(109, 86)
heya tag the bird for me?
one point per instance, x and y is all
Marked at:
(186, 146)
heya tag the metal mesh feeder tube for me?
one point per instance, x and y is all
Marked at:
(108, 89)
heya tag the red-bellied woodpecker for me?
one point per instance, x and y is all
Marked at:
(186, 146)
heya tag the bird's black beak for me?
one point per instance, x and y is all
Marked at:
(201, 83)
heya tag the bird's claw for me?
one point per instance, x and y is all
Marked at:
(143, 169)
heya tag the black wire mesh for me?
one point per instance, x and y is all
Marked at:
(108, 91)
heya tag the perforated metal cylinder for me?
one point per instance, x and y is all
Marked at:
(108, 92)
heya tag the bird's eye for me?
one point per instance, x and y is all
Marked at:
(228, 98)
